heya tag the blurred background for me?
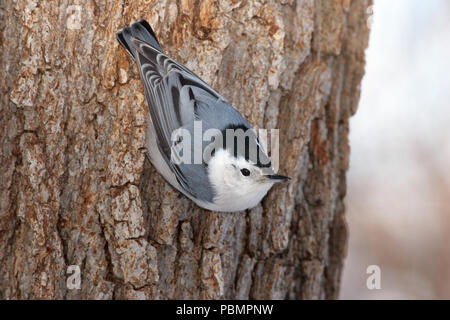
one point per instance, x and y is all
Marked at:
(398, 201)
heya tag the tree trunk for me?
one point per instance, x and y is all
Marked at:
(76, 190)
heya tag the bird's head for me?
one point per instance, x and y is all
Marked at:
(239, 183)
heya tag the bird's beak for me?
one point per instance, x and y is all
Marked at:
(277, 178)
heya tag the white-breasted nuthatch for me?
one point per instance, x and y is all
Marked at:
(238, 173)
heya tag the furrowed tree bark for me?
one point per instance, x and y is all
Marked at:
(76, 190)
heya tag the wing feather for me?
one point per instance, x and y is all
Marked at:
(168, 88)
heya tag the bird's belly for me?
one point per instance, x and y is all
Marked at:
(157, 159)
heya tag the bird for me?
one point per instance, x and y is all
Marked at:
(236, 173)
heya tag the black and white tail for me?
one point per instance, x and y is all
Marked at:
(140, 30)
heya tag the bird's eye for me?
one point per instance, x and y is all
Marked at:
(245, 172)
